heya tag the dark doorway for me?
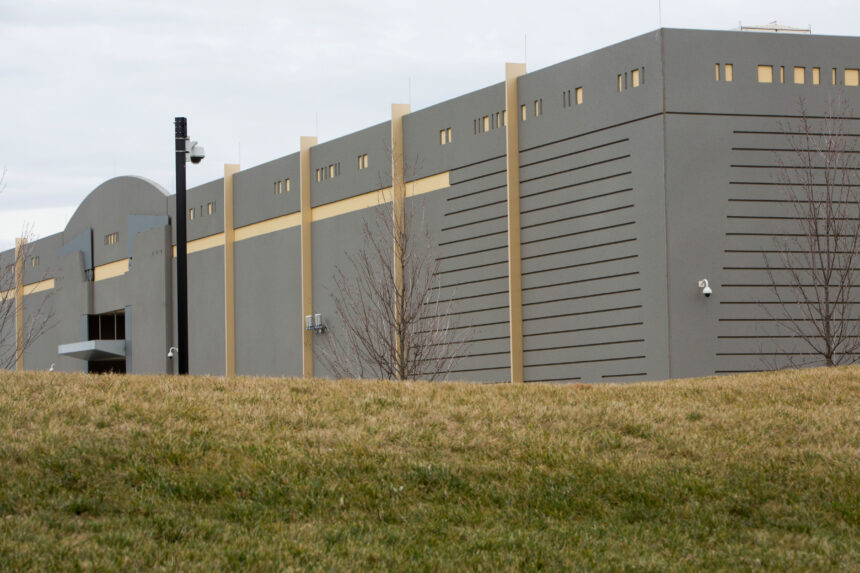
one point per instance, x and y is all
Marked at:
(106, 366)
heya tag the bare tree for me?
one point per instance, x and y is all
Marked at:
(393, 321)
(813, 270)
(38, 319)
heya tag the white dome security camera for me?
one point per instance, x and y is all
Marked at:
(194, 152)
(706, 288)
(172, 352)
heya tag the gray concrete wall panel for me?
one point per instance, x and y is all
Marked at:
(254, 197)
(74, 299)
(422, 142)
(149, 294)
(691, 84)
(106, 209)
(268, 295)
(201, 199)
(342, 153)
(206, 346)
(45, 251)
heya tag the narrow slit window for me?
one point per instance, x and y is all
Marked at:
(523, 111)
(578, 96)
(287, 184)
(620, 82)
(278, 189)
(852, 77)
(765, 74)
(781, 74)
(450, 139)
(833, 76)
(717, 71)
(365, 161)
(34, 261)
(634, 78)
(475, 126)
(730, 72)
(210, 208)
(486, 122)
(816, 76)
(191, 214)
(538, 106)
(498, 124)
(505, 117)
(799, 75)
(442, 141)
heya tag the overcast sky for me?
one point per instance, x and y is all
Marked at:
(90, 87)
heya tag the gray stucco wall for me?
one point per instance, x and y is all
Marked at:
(627, 200)
(268, 295)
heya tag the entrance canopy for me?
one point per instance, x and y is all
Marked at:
(93, 349)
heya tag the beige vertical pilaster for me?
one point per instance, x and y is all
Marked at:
(230, 169)
(398, 205)
(305, 145)
(19, 303)
(515, 288)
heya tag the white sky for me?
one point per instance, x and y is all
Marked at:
(90, 87)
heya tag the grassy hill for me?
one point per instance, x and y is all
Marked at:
(742, 472)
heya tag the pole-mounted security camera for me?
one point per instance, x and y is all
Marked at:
(706, 288)
(172, 352)
(194, 152)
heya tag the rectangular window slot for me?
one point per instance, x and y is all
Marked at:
(634, 78)
(852, 77)
(717, 71)
(620, 83)
(210, 207)
(538, 107)
(833, 76)
(485, 121)
(730, 72)
(34, 261)
(523, 111)
(799, 75)
(278, 188)
(191, 214)
(287, 184)
(498, 124)
(505, 117)
(578, 96)
(816, 76)
(782, 74)
(112, 238)
(765, 74)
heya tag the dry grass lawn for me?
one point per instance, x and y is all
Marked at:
(135, 472)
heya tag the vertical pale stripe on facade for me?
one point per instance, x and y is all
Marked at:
(19, 303)
(305, 145)
(229, 275)
(515, 289)
(398, 197)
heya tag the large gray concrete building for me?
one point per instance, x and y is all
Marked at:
(575, 209)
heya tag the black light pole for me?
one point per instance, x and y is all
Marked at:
(181, 126)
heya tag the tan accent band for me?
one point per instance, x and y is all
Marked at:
(229, 273)
(110, 270)
(19, 303)
(515, 296)
(305, 144)
(40, 286)
(201, 244)
(378, 197)
(268, 226)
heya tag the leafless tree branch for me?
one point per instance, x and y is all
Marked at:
(813, 270)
